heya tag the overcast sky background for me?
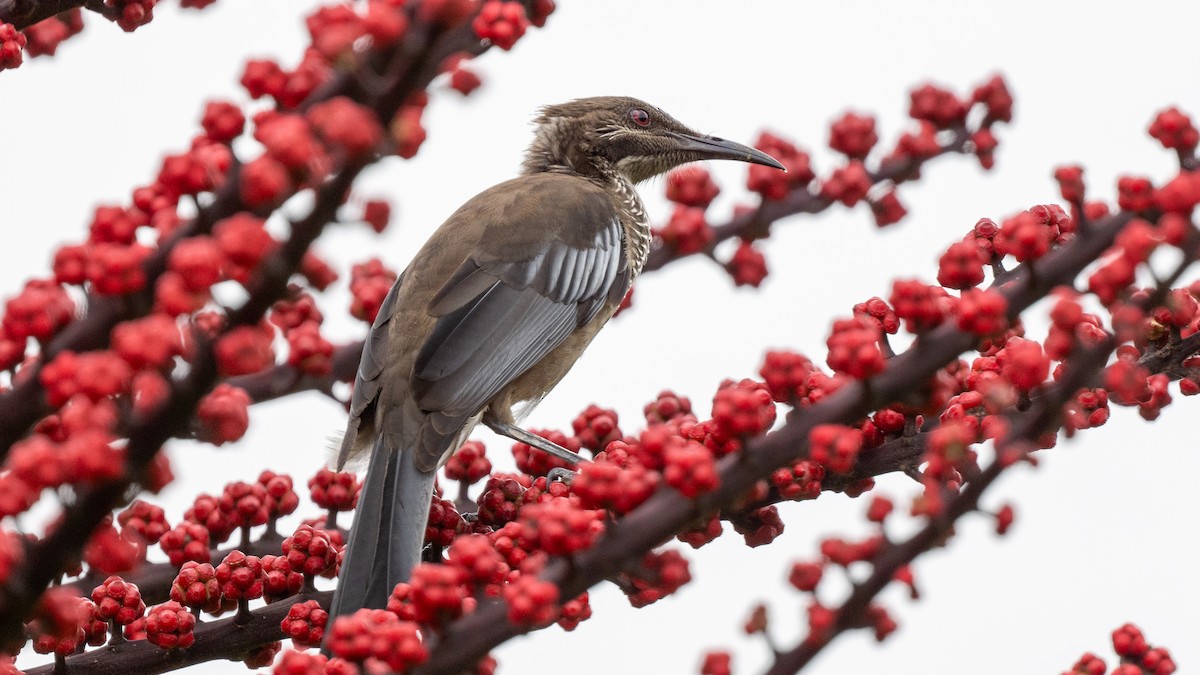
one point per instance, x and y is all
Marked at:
(1105, 529)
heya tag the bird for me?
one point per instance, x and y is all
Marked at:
(494, 310)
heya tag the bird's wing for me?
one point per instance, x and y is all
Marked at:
(370, 366)
(507, 307)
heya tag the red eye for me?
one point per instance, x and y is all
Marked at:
(640, 117)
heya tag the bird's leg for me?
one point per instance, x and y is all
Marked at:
(518, 434)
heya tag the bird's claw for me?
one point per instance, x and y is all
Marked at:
(560, 475)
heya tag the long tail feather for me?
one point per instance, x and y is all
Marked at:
(389, 530)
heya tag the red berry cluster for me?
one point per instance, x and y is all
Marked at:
(369, 284)
(853, 135)
(559, 527)
(743, 409)
(848, 185)
(444, 522)
(503, 22)
(223, 415)
(186, 541)
(758, 527)
(531, 602)
(62, 622)
(45, 36)
(336, 491)
(687, 231)
(656, 576)
(130, 14)
(310, 551)
(692, 186)
(747, 265)
(800, 481)
(771, 183)
(854, 348)
(375, 637)
(12, 42)
(118, 601)
(1136, 656)
(240, 576)
(170, 626)
(305, 623)
(196, 586)
(614, 481)
(469, 464)
(596, 427)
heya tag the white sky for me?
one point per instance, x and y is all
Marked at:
(1104, 530)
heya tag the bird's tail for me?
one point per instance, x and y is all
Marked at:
(389, 529)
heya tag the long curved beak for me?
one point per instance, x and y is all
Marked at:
(712, 147)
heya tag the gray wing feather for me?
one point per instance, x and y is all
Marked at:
(366, 382)
(508, 332)
(531, 306)
(464, 286)
(370, 365)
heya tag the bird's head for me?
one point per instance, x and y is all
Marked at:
(594, 136)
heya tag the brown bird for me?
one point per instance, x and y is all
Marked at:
(495, 309)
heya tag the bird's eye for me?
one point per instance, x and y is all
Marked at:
(640, 117)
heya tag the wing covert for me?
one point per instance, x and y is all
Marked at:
(501, 314)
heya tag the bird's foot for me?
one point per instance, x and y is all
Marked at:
(518, 434)
(560, 475)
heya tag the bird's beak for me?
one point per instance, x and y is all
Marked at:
(712, 147)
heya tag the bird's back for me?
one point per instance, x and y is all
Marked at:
(511, 228)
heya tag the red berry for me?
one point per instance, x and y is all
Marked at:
(687, 231)
(853, 135)
(1174, 129)
(773, 184)
(854, 348)
(223, 121)
(691, 186)
(937, 106)
(170, 626)
(118, 600)
(501, 21)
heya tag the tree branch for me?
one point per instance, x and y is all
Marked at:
(667, 512)
(1042, 418)
(215, 640)
(415, 61)
(25, 13)
(800, 200)
(420, 57)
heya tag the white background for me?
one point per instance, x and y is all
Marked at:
(1106, 528)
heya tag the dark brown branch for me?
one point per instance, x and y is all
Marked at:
(668, 512)
(800, 200)
(1169, 358)
(46, 559)
(422, 53)
(283, 379)
(23, 405)
(154, 579)
(416, 59)
(1045, 416)
(215, 640)
(25, 13)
